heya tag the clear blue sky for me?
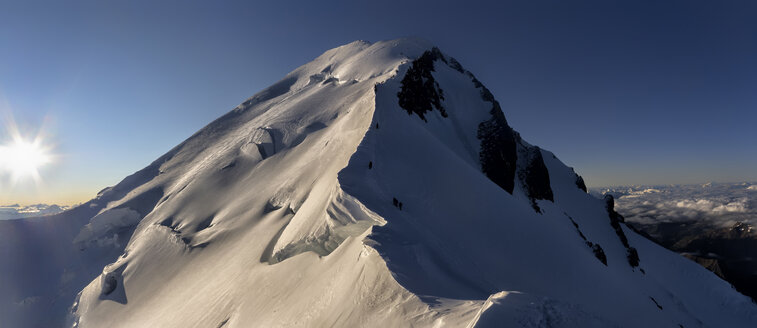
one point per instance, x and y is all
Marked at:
(626, 92)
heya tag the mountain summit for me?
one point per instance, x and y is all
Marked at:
(379, 185)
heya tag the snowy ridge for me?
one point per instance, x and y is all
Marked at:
(377, 186)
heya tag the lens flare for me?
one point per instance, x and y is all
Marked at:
(21, 158)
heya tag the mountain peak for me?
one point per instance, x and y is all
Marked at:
(378, 176)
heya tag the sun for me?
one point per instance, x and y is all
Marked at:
(22, 159)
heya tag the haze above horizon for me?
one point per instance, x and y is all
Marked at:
(627, 93)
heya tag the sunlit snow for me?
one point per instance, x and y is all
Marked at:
(320, 202)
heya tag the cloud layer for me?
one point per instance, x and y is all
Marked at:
(8, 212)
(721, 204)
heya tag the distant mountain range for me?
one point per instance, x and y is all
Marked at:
(16, 211)
(379, 185)
(712, 224)
(722, 204)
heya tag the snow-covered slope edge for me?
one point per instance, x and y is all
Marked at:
(379, 185)
(253, 227)
(42, 269)
(564, 257)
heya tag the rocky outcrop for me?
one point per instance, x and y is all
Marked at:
(615, 219)
(420, 93)
(498, 154)
(580, 183)
(535, 177)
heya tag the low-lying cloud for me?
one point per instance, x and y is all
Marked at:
(721, 204)
(9, 212)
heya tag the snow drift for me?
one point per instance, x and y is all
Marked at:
(379, 185)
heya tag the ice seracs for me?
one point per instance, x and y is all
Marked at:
(378, 185)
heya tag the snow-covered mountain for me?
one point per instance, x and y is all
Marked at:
(379, 185)
(712, 224)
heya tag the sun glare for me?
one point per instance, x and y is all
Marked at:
(22, 158)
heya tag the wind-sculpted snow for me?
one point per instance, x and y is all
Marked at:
(321, 202)
(252, 203)
(42, 264)
(461, 236)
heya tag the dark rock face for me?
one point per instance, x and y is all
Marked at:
(420, 93)
(615, 220)
(599, 253)
(498, 154)
(580, 183)
(633, 257)
(581, 234)
(610, 204)
(535, 177)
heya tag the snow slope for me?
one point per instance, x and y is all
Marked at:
(377, 186)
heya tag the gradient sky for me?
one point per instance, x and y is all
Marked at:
(633, 92)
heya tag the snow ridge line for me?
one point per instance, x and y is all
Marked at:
(491, 300)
